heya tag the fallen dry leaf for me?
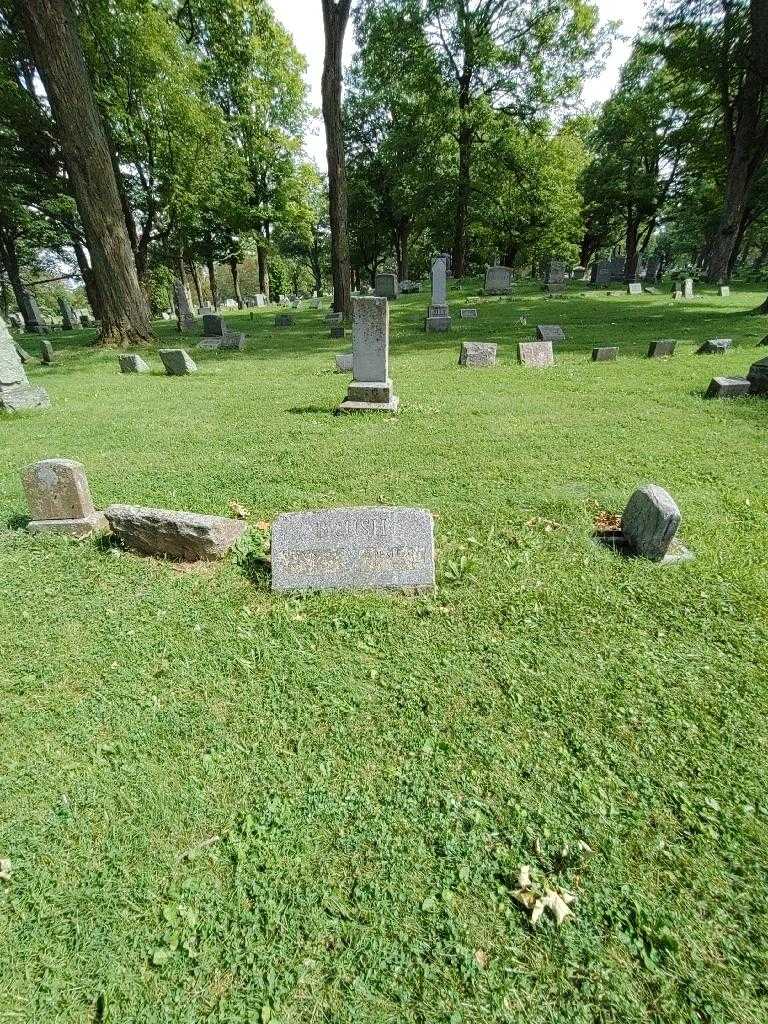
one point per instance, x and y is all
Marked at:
(262, 525)
(238, 510)
(5, 870)
(481, 958)
(545, 524)
(557, 906)
(524, 876)
(607, 521)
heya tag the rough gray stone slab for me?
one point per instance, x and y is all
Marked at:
(550, 332)
(59, 499)
(728, 387)
(133, 364)
(16, 394)
(177, 362)
(715, 346)
(437, 324)
(723, 291)
(344, 362)
(498, 280)
(232, 341)
(23, 398)
(535, 353)
(213, 325)
(386, 286)
(634, 288)
(758, 377)
(373, 392)
(354, 549)
(79, 529)
(477, 354)
(370, 339)
(688, 288)
(661, 349)
(605, 354)
(650, 522)
(181, 536)
(46, 352)
(468, 313)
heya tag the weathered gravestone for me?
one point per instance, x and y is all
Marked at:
(177, 362)
(213, 325)
(354, 549)
(334, 318)
(634, 288)
(601, 272)
(186, 317)
(676, 294)
(386, 286)
(22, 353)
(16, 320)
(133, 364)
(284, 320)
(661, 349)
(180, 536)
(438, 318)
(556, 289)
(370, 389)
(649, 525)
(535, 353)
(410, 287)
(68, 315)
(468, 313)
(550, 332)
(555, 272)
(344, 362)
(652, 271)
(33, 318)
(47, 354)
(605, 354)
(758, 377)
(728, 387)
(715, 346)
(16, 393)
(59, 499)
(723, 291)
(618, 268)
(498, 281)
(218, 336)
(688, 288)
(477, 353)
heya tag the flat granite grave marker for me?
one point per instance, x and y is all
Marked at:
(59, 499)
(477, 353)
(604, 354)
(133, 364)
(661, 349)
(370, 389)
(177, 362)
(386, 286)
(715, 346)
(16, 393)
(372, 548)
(498, 281)
(550, 332)
(535, 353)
(468, 313)
(758, 377)
(634, 288)
(180, 536)
(728, 387)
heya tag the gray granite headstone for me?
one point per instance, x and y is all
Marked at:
(715, 346)
(344, 362)
(660, 349)
(370, 389)
(16, 393)
(758, 377)
(555, 272)
(133, 364)
(601, 273)
(177, 362)
(354, 549)
(34, 322)
(59, 499)
(650, 522)
(498, 280)
(284, 320)
(468, 313)
(634, 288)
(728, 387)
(47, 354)
(386, 286)
(550, 332)
(68, 316)
(213, 325)
(535, 353)
(604, 354)
(477, 353)
(439, 282)
(723, 291)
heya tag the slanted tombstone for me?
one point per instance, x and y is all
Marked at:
(758, 377)
(661, 349)
(634, 288)
(688, 288)
(16, 393)
(652, 271)
(68, 316)
(46, 352)
(605, 354)
(723, 291)
(22, 353)
(468, 313)
(386, 286)
(550, 332)
(601, 273)
(133, 364)
(33, 319)
(179, 536)
(715, 346)
(555, 272)
(649, 526)
(477, 353)
(535, 353)
(498, 281)
(438, 318)
(343, 362)
(59, 499)
(618, 268)
(370, 548)
(186, 317)
(16, 320)
(370, 389)
(177, 362)
(728, 387)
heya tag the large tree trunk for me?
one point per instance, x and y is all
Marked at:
(58, 54)
(195, 281)
(86, 272)
(630, 267)
(463, 185)
(335, 17)
(10, 263)
(261, 248)
(402, 238)
(210, 266)
(235, 280)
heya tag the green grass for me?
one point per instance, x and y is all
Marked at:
(376, 767)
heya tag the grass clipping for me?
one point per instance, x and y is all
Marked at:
(537, 902)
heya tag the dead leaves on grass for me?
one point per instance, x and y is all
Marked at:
(5, 870)
(536, 901)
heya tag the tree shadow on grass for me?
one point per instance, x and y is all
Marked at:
(300, 410)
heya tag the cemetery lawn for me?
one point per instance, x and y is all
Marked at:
(219, 804)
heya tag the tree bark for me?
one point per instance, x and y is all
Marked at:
(10, 263)
(263, 269)
(86, 272)
(335, 17)
(402, 238)
(195, 280)
(55, 44)
(463, 186)
(235, 280)
(210, 266)
(630, 266)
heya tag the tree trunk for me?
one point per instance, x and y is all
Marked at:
(464, 181)
(58, 54)
(210, 266)
(402, 238)
(195, 281)
(86, 272)
(235, 280)
(10, 263)
(263, 269)
(335, 16)
(630, 267)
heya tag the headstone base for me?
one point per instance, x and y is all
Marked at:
(437, 324)
(77, 528)
(369, 396)
(17, 399)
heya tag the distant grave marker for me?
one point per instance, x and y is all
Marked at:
(177, 362)
(661, 349)
(370, 389)
(133, 364)
(477, 354)
(728, 387)
(550, 332)
(535, 353)
(715, 346)
(605, 354)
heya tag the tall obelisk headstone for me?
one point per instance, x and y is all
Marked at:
(370, 389)
(438, 318)
(16, 393)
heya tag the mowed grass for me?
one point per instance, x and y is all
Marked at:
(224, 805)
